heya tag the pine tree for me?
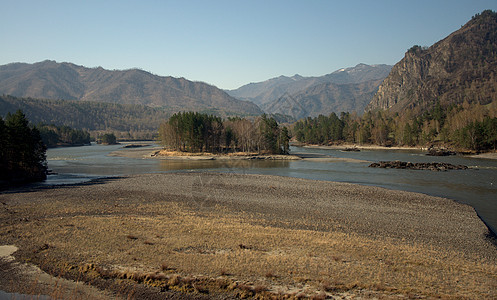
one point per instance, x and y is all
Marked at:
(3, 149)
(23, 151)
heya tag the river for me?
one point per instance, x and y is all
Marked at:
(476, 186)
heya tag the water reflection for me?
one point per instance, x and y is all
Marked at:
(175, 165)
(16, 296)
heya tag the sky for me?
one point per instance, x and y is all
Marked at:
(227, 43)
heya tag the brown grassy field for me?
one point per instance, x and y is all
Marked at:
(201, 235)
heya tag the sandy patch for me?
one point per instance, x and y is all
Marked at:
(6, 252)
(145, 152)
(486, 155)
(28, 279)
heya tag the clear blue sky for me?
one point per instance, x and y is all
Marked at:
(226, 43)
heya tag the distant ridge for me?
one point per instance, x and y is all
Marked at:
(347, 89)
(324, 99)
(460, 68)
(67, 81)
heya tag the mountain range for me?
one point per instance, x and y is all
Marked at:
(348, 89)
(67, 81)
(460, 68)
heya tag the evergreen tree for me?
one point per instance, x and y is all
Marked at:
(23, 151)
(3, 148)
(269, 131)
(284, 141)
(108, 139)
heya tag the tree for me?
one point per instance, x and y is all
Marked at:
(192, 132)
(197, 132)
(284, 141)
(269, 131)
(490, 132)
(108, 139)
(23, 152)
(3, 147)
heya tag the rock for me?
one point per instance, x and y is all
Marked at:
(434, 151)
(433, 166)
(136, 145)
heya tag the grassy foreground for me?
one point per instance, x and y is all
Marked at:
(201, 235)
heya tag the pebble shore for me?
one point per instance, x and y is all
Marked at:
(362, 241)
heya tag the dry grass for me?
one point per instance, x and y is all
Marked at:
(231, 155)
(386, 266)
(193, 247)
(165, 152)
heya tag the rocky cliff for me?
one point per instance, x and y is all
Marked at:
(459, 68)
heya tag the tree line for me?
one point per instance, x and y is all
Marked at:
(22, 151)
(127, 121)
(199, 132)
(53, 136)
(466, 126)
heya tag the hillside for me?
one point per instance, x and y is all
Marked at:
(343, 90)
(324, 99)
(460, 68)
(129, 121)
(52, 80)
(266, 91)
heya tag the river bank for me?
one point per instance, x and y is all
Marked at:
(489, 155)
(347, 147)
(225, 235)
(351, 147)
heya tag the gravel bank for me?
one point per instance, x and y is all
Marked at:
(287, 235)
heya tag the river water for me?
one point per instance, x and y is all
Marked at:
(476, 186)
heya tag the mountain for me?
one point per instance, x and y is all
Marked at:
(300, 96)
(67, 81)
(266, 91)
(127, 121)
(325, 99)
(460, 68)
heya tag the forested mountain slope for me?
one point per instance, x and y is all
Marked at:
(129, 121)
(66, 81)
